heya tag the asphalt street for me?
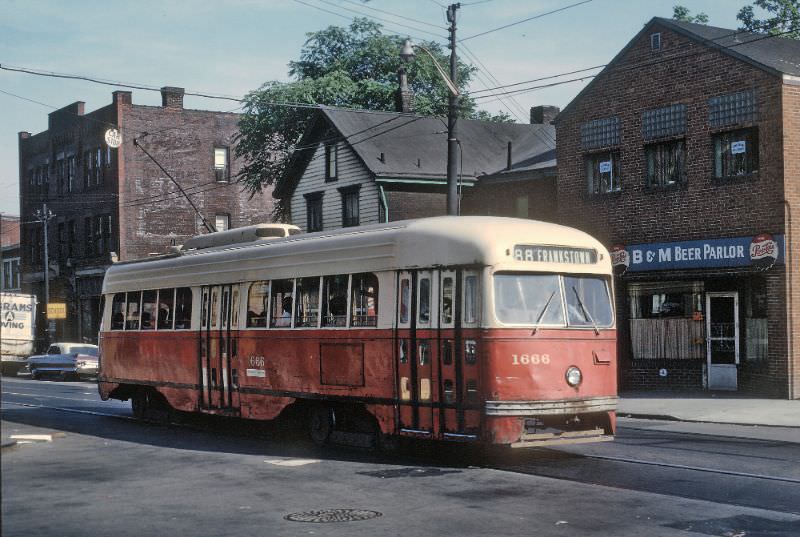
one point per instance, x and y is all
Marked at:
(104, 473)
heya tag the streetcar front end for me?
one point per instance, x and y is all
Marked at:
(550, 348)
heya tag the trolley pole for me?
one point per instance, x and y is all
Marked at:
(43, 216)
(452, 119)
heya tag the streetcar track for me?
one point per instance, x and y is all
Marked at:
(71, 410)
(50, 397)
(517, 468)
(659, 429)
(694, 468)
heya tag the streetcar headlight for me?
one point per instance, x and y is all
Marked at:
(574, 376)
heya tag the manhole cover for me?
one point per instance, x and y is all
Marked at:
(333, 515)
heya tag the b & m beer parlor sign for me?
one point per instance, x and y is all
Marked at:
(759, 252)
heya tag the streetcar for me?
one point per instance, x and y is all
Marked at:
(488, 330)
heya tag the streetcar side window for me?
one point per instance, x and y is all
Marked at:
(214, 306)
(281, 304)
(183, 308)
(148, 321)
(334, 300)
(166, 308)
(307, 304)
(471, 298)
(364, 300)
(447, 300)
(257, 300)
(424, 300)
(235, 308)
(118, 312)
(405, 299)
(132, 311)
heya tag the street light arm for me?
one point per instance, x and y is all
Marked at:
(450, 85)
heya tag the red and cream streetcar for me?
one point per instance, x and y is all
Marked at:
(483, 329)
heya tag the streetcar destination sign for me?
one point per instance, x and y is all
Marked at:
(555, 254)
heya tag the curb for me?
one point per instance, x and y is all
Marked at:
(8, 445)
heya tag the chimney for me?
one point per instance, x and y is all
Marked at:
(24, 135)
(544, 114)
(403, 97)
(122, 97)
(172, 97)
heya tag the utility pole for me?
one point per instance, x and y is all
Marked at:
(43, 216)
(452, 119)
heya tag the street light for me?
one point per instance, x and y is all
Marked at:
(43, 216)
(407, 54)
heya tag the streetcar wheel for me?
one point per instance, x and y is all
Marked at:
(386, 443)
(320, 424)
(140, 405)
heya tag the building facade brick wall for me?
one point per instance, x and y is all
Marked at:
(703, 207)
(116, 204)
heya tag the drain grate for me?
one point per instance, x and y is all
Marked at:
(333, 515)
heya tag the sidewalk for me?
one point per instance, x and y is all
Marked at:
(710, 408)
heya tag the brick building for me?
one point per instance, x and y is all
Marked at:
(683, 155)
(117, 204)
(9, 254)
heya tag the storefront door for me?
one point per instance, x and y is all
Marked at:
(722, 340)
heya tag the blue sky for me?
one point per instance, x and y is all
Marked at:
(234, 46)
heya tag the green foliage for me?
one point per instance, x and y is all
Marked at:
(682, 13)
(346, 67)
(784, 19)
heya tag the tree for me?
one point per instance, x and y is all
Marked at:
(785, 19)
(681, 13)
(347, 67)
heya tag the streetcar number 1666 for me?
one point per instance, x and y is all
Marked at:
(530, 359)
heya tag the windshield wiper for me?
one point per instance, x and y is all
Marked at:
(541, 313)
(586, 311)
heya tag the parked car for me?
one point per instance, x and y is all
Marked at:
(65, 360)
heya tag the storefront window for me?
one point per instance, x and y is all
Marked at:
(667, 320)
(658, 301)
(756, 329)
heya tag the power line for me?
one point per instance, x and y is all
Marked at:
(637, 65)
(472, 93)
(349, 18)
(380, 19)
(525, 20)
(393, 14)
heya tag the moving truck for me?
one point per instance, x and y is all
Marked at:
(17, 330)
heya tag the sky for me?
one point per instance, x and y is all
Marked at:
(233, 47)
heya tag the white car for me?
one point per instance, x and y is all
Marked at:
(65, 360)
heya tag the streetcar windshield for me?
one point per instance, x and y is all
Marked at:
(552, 300)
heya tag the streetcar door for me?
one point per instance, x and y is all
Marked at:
(460, 412)
(216, 345)
(414, 353)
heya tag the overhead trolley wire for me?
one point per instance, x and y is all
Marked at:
(365, 6)
(524, 20)
(634, 66)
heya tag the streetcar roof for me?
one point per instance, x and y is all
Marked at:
(426, 242)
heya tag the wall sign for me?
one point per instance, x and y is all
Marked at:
(605, 166)
(761, 252)
(738, 147)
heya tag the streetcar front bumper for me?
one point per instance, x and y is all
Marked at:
(556, 422)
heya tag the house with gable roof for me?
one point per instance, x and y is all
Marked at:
(355, 167)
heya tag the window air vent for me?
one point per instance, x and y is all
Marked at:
(655, 42)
